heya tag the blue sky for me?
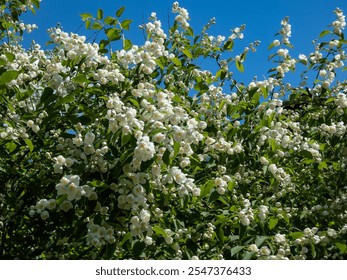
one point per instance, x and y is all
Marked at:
(262, 18)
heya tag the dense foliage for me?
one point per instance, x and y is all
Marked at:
(138, 153)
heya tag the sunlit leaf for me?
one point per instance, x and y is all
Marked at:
(272, 222)
(96, 25)
(120, 11)
(126, 24)
(8, 76)
(86, 16)
(99, 14)
(29, 144)
(239, 66)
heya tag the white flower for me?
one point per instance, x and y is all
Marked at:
(196, 192)
(30, 123)
(44, 215)
(280, 238)
(264, 161)
(273, 168)
(276, 43)
(253, 248)
(219, 182)
(221, 190)
(41, 204)
(145, 216)
(51, 204)
(331, 232)
(35, 128)
(264, 251)
(89, 138)
(145, 149)
(245, 221)
(282, 52)
(66, 206)
(148, 240)
(178, 175)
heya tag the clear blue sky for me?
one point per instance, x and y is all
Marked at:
(262, 18)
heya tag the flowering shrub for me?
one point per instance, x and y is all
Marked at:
(138, 153)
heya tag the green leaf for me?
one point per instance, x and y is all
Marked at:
(100, 14)
(272, 222)
(97, 184)
(88, 23)
(113, 34)
(120, 11)
(166, 157)
(36, 3)
(213, 196)
(48, 96)
(322, 165)
(201, 86)
(29, 144)
(10, 56)
(306, 154)
(221, 73)
(313, 250)
(10, 146)
(125, 238)
(206, 188)
(265, 92)
(103, 44)
(235, 250)
(228, 45)
(270, 46)
(80, 79)
(260, 240)
(220, 232)
(296, 235)
(256, 97)
(127, 44)
(22, 95)
(190, 31)
(2, 62)
(187, 53)
(176, 149)
(158, 230)
(341, 246)
(134, 102)
(110, 249)
(67, 99)
(247, 255)
(231, 185)
(86, 16)
(126, 24)
(177, 99)
(96, 25)
(126, 139)
(324, 33)
(8, 76)
(239, 66)
(110, 20)
(176, 61)
(272, 143)
(138, 249)
(160, 62)
(126, 156)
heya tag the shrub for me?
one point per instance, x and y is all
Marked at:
(138, 153)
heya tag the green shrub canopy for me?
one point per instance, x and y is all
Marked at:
(139, 153)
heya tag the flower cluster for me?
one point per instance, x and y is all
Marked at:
(100, 235)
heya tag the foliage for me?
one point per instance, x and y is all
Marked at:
(139, 153)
